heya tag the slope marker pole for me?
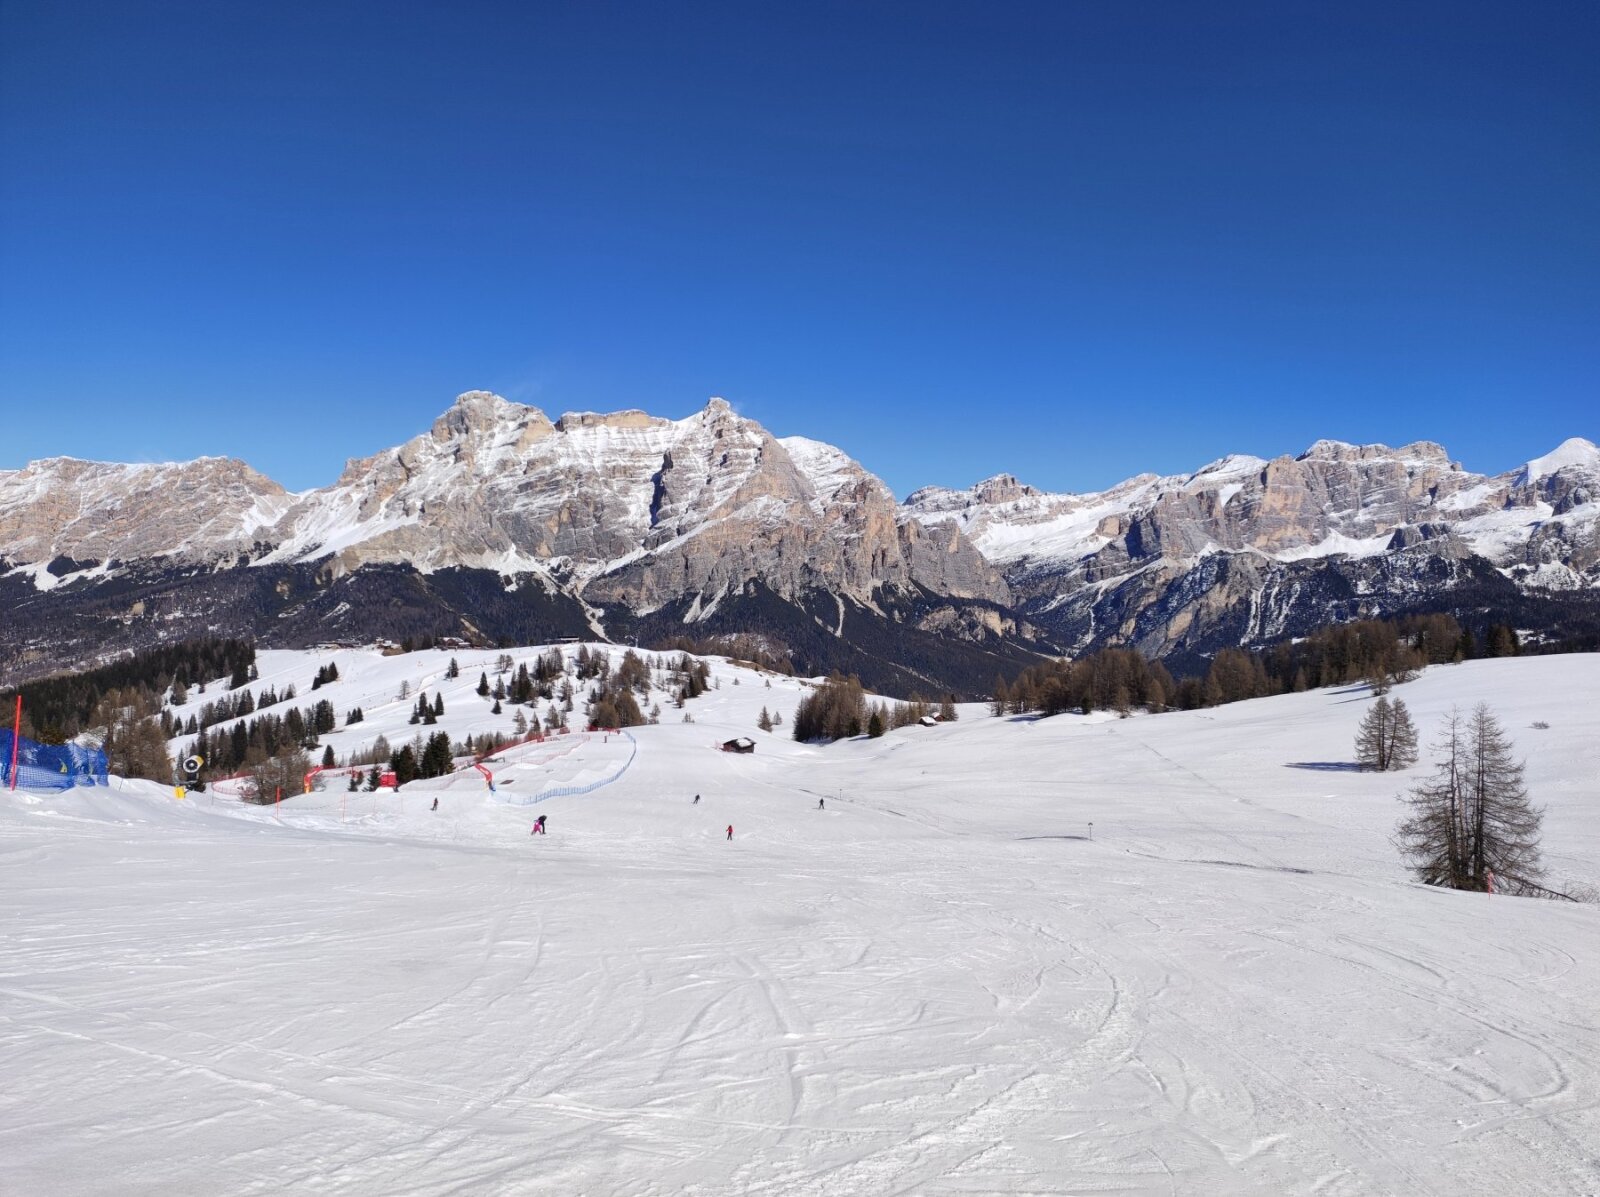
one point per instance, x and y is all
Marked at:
(16, 741)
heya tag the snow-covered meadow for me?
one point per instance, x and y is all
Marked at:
(941, 981)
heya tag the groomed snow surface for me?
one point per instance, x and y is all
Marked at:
(938, 984)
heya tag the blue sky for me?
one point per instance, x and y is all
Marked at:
(1071, 241)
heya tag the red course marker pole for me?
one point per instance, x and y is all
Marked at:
(16, 742)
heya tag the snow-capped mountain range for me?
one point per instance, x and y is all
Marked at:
(500, 522)
(624, 506)
(1246, 550)
(1333, 499)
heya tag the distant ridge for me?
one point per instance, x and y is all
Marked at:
(498, 521)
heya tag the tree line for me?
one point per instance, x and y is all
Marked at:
(838, 709)
(1378, 651)
(229, 707)
(742, 648)
(227, 750)
(56, 709)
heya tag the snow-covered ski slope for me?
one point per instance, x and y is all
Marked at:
(936, 984)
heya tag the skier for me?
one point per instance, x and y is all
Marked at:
(435, 804)
(819, 803)
(697, 800)
(540, 824)
(730, 831)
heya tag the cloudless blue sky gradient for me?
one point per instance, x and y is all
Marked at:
(1073, 241)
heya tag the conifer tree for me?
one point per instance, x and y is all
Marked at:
(1502, 641)
(1378, 677)
(403, 764)
(1402, 742)
(1386, 739)
(1002, 697)
(835, 709)
(134, 744)
(437, 759)
(284, 771)
(1472, 821)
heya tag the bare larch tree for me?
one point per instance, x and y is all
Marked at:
(1387, 739)
(1471, 824)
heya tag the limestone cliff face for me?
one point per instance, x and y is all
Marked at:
(673, 519)
(731, 503)
(88, 511)
(943, 560)
(620, 508)
(1232, 548)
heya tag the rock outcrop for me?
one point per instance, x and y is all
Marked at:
(1245, 549)
(205, 510)
(626, 514)
(499, 521)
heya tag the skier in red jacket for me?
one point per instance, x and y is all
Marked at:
(730, 831)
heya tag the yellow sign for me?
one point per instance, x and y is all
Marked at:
(180, 792)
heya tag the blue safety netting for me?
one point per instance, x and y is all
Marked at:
(51, 766)
(568, 791)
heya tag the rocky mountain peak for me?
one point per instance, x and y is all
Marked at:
(1343, 451)
(628, 516)
(1575, 453)
(209, 508)
(632, 418)
(628, 508)
(482, 416)
(1224, 470)
(1003, 488)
